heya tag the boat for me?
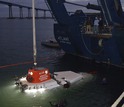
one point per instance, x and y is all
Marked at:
(39, 79)
(70, 31)
(51, 44)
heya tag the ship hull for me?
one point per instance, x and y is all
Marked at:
(91, 46)
(70, 33)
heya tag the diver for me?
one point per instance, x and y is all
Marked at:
(61, 103)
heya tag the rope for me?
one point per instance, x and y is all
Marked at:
(16, 64)
(29, 62)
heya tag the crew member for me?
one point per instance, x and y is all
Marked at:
(96, 24)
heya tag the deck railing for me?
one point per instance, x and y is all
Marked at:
(119, 102)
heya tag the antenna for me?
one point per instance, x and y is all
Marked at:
(34, 34)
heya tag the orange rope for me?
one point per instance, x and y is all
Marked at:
(10, 65)
(21, 63)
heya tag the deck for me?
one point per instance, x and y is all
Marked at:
(99, 35)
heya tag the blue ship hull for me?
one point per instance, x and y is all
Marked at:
(100, 49)
(69, 33)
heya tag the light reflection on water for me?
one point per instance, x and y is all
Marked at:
(15, 98)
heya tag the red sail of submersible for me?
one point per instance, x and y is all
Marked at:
(38, 75)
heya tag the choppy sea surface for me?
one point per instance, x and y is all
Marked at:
(16, 58)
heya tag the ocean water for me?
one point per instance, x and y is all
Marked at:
(16, 58)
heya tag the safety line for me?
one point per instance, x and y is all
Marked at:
(16, 64)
